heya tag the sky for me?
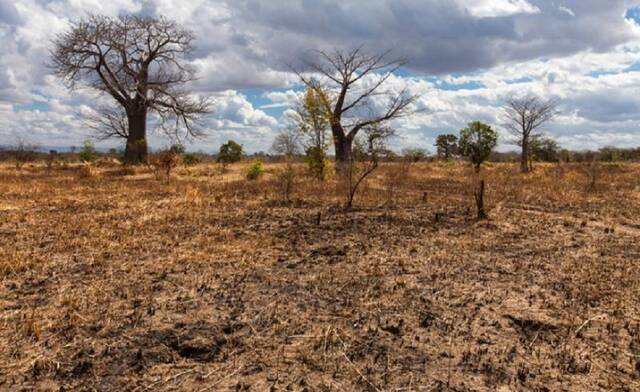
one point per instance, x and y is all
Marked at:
(465, 58)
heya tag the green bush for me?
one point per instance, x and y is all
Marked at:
(255, 170)
(88, 152)
(316, 160)
(191, 159)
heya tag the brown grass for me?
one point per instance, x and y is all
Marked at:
(118, 281)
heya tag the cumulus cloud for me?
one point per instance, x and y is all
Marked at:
(464, 56)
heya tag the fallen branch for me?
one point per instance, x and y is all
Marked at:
(588, 321)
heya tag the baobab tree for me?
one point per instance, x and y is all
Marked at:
(348, 99)
(141, 63)
(524, 117)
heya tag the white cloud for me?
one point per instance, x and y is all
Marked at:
(566, 10)
(498, 8)
(486, 49)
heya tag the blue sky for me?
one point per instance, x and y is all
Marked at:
(465, 58)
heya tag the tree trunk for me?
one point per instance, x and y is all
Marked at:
(343, 145)
(136, 149)
(524, 157)
(479, 196)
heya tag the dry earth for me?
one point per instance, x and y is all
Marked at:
(208, 282)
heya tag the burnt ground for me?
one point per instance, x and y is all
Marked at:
(122, 283)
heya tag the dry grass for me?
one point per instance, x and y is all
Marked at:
(119, 281)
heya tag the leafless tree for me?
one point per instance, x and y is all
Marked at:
(140, 62)
(349, 108)
(287, 143)
(370, 149)
(24, 151)
(524, 117)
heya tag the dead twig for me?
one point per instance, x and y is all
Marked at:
(588, 321)
(169, 379)
(210, 387)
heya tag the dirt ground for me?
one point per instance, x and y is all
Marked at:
(114, 280)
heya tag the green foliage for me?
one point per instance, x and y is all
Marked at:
(190, 159)
(447, 146)
(315, 116)
(88, 152)
(317, 162)
(544, 149)
(564, 155)
(255, 171)
(230, 152)
(614, 154)
(476, 142)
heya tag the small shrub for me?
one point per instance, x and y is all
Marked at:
(287, 178)
(255, 171)
(177, 149)
(88, 152)
(191, 159)
(164, 162)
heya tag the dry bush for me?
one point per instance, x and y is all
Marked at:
(108, 162)
(88, 170)
(592, 171)
(287, 178)
(163, 163)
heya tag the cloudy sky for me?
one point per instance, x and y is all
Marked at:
(465, 58)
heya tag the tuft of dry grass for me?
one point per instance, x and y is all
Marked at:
(210, 282)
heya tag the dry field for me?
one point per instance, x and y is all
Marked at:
(114, 281)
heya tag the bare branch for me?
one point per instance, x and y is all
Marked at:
(343, 72)
(109, 122)
(137, 60)
(524, 117)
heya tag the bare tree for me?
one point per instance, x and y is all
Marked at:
(371, 149)
(524, 117)
(140, 62)
(24, 151)
(287, 143)
(344, 72)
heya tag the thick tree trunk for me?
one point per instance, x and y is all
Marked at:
(524, 157)
(343, 146)
(136, 149)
